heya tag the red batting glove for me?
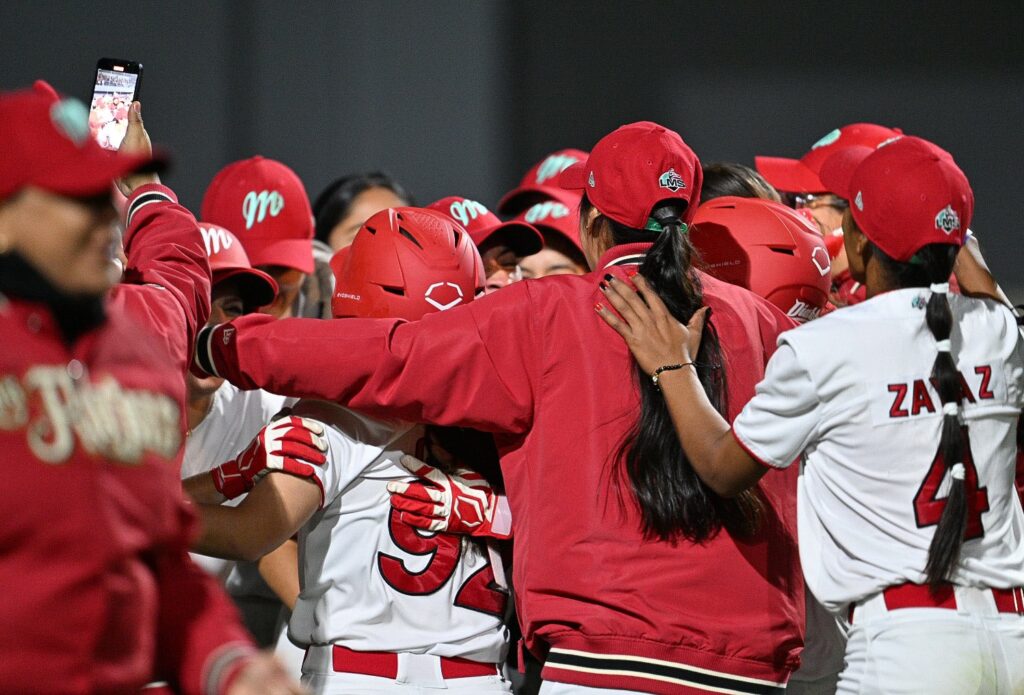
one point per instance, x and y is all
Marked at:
(462, 502)
(290, 444)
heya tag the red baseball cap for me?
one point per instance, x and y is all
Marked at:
(904, 195)
(559, 216)
(44, 142)
(265, 204)
(540, 183)
(634, 168)
(482, 224)
(228, 259)
(802, 175)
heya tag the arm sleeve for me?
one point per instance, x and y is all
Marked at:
(166, 285)
(201, 643)
(780, 420)
(346, 459)
(470, 366)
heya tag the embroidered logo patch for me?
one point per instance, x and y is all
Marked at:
(590, 181)
(671, 180)
(947, 220)
(859, 201)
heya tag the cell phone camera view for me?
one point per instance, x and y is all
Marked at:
(111, 98)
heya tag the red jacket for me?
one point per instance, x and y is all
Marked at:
(98, 591)
(535, 365)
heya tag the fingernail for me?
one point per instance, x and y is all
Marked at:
(599, 307)
(609, 278)
(603, 285)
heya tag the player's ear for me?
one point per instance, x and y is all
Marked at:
(857, 247)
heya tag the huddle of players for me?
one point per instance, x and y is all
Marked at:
(792, 255)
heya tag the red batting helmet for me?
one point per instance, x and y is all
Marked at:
(405, 263)
(768, 249)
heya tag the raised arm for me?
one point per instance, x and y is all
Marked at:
(662, 345)
(471, 366)
(166, 283)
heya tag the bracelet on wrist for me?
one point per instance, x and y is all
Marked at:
(666, 368)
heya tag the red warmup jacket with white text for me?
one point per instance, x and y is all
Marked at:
(99, 594)
(537, 367)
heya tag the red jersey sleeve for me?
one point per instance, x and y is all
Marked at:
(467, 366)
(201, 643)
(166, 284)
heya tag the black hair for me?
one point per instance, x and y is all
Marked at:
(674, 502)
(728, 178)
(932, 264)
(334, 202)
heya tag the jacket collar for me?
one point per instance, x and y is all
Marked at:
(624, 254)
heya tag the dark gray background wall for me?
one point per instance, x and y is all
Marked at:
(461, 96)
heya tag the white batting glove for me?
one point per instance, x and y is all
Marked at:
(461, 503)
(290, 444)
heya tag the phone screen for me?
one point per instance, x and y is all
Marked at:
(111, 98)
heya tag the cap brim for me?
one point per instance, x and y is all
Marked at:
(523, 198)
(573, 177)
(522, 238)
(790, 175)
(837, 170)
(258, 288)
(93, 171)
(289, 253)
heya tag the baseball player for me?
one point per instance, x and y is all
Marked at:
(383, 608)
(540, 183)
(502, 245)
(558, 221)
(904, 410)
(800, 182)
(264, 203)
(99, 593)
(601, 551)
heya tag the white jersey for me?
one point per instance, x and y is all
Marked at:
(235, 417)
(851, 391)
(371, 583)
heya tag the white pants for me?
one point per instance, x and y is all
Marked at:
(973, 650)
(418, 674)
(551, 688)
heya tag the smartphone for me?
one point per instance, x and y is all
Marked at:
(116, 86)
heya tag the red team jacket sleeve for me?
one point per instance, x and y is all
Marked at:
(201, 643)
(166, 288)
(467, 366)
(166, 283)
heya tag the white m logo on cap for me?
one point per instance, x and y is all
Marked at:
(255, 206)
(466, 210)
(215, 239)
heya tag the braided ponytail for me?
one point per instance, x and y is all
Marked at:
(944, 552)
(931, 267)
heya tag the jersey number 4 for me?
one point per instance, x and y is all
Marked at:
(928, 506)
(478, 593)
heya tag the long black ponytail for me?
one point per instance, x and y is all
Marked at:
(931, 266)
(674, 502)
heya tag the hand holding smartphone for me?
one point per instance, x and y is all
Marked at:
(117, 84)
